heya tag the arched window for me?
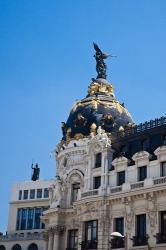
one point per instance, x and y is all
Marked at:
(33, 246)
(16, 247)
(2, 248)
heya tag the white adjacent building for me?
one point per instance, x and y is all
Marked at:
(25, 231)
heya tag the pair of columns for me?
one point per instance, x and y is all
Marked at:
(52, 237)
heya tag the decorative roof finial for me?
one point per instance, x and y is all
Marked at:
(100, 64)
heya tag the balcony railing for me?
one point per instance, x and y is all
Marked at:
(136, 185)
(132, 186)
(140, 240)
(89, 244)
(143, 127)
(160, 238)
(117, 243)
(22, 236)
(116, 189)
(160, 180)
(90, 193)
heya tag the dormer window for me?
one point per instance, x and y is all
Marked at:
(142, 173)
(120, 178)
(98, 158)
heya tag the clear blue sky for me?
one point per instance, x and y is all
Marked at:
(46, 63)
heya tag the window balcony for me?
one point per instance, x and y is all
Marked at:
(160, 180)
(137, 185)
(89, 244)
(116, 189)
(160, 238)
(140, 240)
(117, 243)
(90, 193)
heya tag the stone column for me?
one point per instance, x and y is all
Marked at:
(46, 237)
(50, 240)
(57, 239)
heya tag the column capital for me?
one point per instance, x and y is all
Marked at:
(46, 235)
(57, 229)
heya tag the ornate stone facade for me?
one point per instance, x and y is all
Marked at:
(107, 202)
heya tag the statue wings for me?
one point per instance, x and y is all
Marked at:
(98, 50)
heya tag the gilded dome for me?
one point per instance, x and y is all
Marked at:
(99, 108)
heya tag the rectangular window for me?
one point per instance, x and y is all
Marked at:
(163, 222)
(24, 219)
(39, 193)
(72, 239)
(20, 195)
(32, 194)
(97, 182)
(75, 191)
(30, 218)
(98, 158)
(141, 225)
(25, 195)
(46, 193)
(37, 223)
(163, 168)
(18, 224)
(142, 173)
(120, 178)
(91, 230)
(119, 225)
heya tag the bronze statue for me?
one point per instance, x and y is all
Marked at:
(35, 172)
(100, 64)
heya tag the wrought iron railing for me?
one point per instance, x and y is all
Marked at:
(143, 127)
(160, 238)
(89, 244)
(117, 242)
(140, 240)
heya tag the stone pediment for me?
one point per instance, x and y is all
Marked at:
(141, 158)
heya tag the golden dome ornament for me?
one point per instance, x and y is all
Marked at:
(93, 128)
(68, 135)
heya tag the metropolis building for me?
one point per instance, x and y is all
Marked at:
(110, 177)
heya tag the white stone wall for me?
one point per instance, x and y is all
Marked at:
(75, 163)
